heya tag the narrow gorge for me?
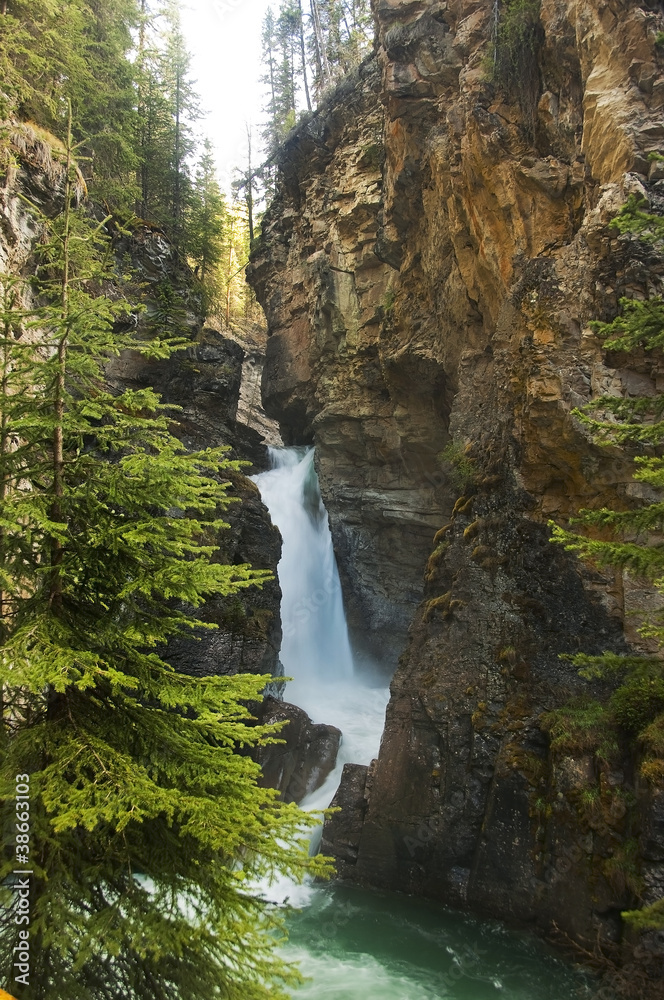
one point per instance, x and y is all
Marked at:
(305, 542)
(429, 268)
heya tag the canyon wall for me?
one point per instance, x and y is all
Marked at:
(429, 268)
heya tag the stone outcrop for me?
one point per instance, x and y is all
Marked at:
(378, 425)
(308, 755)
(250, 407)
(429, 270)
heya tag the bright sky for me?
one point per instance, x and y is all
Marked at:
(224, 39)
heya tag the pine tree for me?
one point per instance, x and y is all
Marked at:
(152, 119)
(324, 73)
(236, 260)
(207, 228)
(77, 50)
(305, 53)
(286, 86)
(147, 828)
(358, 24)
(247, 183)
(185, 111)
(629, 539)
(103, 97)
(269, 79)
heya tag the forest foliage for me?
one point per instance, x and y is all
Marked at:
(124, 67)
(307, 48)
(149, 836)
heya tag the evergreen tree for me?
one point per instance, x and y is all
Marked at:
(152, 120)
(358, 24)
(168, 108)
(628, 539)
(270, 133)
(306, 52)
(103, 98)
(248, 183)
(303, 54)
(154, 143)
(286, 86)
(324, 73)
(54, 50)
(207, 227)
(185, 111)
(236, 260)
(147, 828)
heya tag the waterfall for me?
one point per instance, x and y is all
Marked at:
(315, 645)
(315, 649)
(354, 944)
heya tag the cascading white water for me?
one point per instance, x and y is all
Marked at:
(315, 642)
(315, 649)
(354, 944)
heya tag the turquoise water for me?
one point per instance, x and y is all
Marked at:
(360, 945)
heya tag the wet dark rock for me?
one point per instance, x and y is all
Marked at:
(342, 831)
(301, 764)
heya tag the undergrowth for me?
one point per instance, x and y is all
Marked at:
(514, 61)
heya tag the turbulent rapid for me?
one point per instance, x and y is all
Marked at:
(353, 944)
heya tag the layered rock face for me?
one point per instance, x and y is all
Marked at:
(378, 422)
(429, 270)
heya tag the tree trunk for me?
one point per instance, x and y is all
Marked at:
(5, 433)
(326, 73)
(272, 88)
(230, 272)
(248, 190)
(304, 57)
(177, 195)
(55, 595)
(141, 179)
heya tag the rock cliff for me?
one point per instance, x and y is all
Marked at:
(429, 267)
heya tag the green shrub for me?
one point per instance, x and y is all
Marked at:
(623, 870)
(582, 726)
(515, 56)
(638, 702)
(461, 468)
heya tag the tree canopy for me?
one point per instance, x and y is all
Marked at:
(148, 832)
(307, 48)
